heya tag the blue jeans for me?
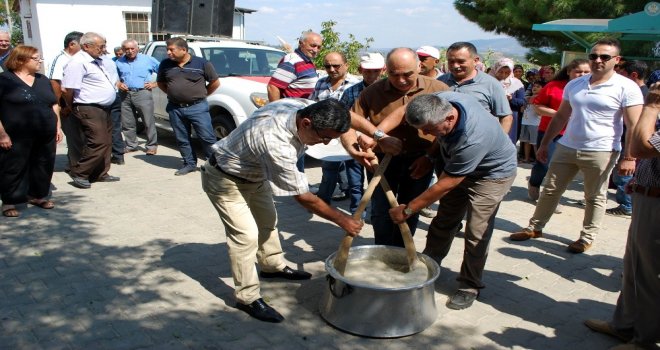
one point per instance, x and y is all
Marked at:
(624, 200)
(117, 141)
(405, 189)
(540, 169)
(355, 179)
(182, 119)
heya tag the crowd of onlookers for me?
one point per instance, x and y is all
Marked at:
(586, 116)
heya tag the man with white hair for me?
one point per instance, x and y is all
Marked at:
(91, 92)
(5, 48)
(429, 57)
(296, 75)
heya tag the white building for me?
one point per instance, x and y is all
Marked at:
(46, 22)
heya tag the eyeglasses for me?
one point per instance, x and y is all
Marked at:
(37, 58)
(335, 66)
(604, 58)
(324, 139)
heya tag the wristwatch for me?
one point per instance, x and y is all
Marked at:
(407, 211)
(379, 134)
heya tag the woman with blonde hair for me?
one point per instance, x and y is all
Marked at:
(29, 131)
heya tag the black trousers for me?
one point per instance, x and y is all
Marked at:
(27, 168)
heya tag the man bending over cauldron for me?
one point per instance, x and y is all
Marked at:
(248, 167)
(476, 165)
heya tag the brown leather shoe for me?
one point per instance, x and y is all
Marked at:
(579, 246)
(525, 234)
(604, 327)
(152, 151)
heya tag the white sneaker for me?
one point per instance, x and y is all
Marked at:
(559, 209)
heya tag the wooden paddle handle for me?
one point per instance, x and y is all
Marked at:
(408, 241)
(342, 253)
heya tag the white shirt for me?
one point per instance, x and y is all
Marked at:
(56, 68)
(596, 123)
(89, 80)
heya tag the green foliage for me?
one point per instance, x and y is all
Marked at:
(332, 42)
(16, 30)
(516, 17)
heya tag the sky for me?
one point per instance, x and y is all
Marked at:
(391, 23)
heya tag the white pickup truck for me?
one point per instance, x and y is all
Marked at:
(244, 69)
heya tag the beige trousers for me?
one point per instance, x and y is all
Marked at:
(565, 164)
(248, 213)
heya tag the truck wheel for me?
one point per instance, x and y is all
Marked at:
(223, 124)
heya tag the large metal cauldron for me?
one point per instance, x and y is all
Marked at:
(379, 312)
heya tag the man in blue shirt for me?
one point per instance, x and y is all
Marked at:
(476, 163)
(135, 74)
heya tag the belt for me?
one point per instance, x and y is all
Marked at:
(180, 105)
(647, 191)
(96, 105)
(136, 89)
(213, 162)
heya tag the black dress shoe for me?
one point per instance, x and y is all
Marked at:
(108, 178)
(81, 183)
(462, 299)
(117, 160)
(261, 311)
(287, 273)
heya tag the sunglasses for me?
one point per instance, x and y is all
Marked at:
(335, 66)
(603, 58)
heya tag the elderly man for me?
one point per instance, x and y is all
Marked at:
(183, 77)
(477, 168)
(429, 57)
(5, 48)
(463, 76)
(135, 74)
(90, 91)
(595, 106)
(376, 102)
(248, 167)
(333, 86)
(296, 75)
(70, 125)
(635, 319)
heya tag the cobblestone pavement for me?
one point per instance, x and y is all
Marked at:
(142, 263)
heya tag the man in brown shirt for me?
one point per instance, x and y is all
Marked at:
(376, 102)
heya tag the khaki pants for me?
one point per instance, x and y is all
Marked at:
(565, 164)
(248, 213)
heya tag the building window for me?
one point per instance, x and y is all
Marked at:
(137, 26)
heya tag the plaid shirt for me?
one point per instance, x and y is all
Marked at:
(351, 94)
(323, 89)
(266, 147)
(647, 173)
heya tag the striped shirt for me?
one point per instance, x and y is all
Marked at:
(647, 173)
(266, 147)
(295, 75)
(323, 89)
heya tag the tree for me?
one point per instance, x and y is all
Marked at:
(351, 48)
(16, 31)
(516, 17)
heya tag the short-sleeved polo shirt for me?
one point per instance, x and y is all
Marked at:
(477, 147)
(186, 84)
(380, 99)
(295, 75)
(486, 89)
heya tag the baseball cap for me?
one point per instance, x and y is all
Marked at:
(372, 60)
(426, 51)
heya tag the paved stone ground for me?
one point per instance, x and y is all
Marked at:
(142, 263)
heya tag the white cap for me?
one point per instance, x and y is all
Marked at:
(426, 51)
(372, 60)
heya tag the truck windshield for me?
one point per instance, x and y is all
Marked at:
(243, 62)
